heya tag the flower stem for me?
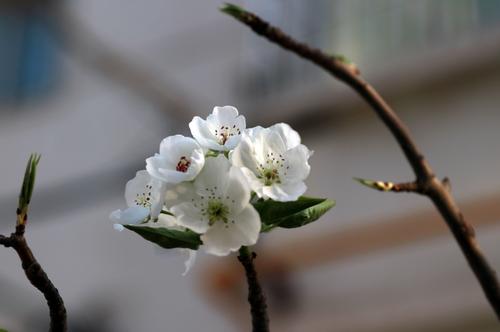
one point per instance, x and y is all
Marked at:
(256, 298)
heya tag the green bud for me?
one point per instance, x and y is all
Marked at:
(27, 186)
(233, 10)
(378, 185)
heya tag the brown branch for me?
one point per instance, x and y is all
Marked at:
(426, 182)
(38, 278)
(256, 298)
(34, 272)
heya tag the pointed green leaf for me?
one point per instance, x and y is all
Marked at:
(23, 193)
(28, 182)
(232, 10)
(292, 214)
(167, 238)
(31, 184)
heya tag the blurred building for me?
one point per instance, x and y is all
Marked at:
(95, 85)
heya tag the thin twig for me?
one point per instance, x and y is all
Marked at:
(34, 272)
(408, 187)
(256, 298)
(427, 184)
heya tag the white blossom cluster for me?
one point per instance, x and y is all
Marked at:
(207, 183)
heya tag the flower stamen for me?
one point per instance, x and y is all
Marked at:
(216, 211)
(270, 176)
(183, 165)
(224, 133)
(274, 167)
(144, 198)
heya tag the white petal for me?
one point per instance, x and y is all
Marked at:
(273, 141)
(244, 155)
(248, 221)
(177, 146)
(190, 217)
(255, 184)
(118, 227)
(155, 163)
(166, 221)
(289, 136)
(158, 199)
(223, 115)
(239, 124)
(232, 142)
(253, 132)
(137, 186)
(197, 159)
(284, 192)
(297, 161)
(268, 142)
(223, 238)
(214, 175)
(183, 192)
(202, 133)
(237, 194)
(189, 262)
(132, 215)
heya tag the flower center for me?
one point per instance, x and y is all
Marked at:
(216, 211)
(274, 166)
(183, 165)
(225, 132)
(144, 198)
(270, 176)
(214, 206)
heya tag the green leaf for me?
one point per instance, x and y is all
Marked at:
(167, 238)
(292, 214)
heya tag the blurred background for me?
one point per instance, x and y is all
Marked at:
(95, 85)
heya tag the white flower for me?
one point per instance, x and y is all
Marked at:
(180, 159)
(144, 196)
(217, 205)
(221, 130)
(273, 161)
